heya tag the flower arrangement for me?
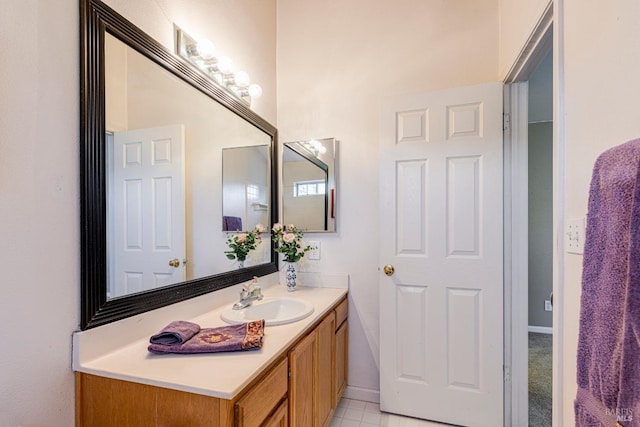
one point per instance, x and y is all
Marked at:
(242, 243)
(286, 240)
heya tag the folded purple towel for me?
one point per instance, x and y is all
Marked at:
(244, 336)
(175, 333)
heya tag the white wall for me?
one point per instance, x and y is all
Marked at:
(39, 178)
(336, 60)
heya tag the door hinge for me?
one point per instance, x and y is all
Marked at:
(507, 374)
(506, 121)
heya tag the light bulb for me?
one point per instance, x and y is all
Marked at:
(225, 65)
(206, 49)
(255, 91)
(241, 78)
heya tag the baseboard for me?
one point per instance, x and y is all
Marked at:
(365, 394)
(541, 329)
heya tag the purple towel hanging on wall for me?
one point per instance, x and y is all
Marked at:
(231, 223)
(609, 337)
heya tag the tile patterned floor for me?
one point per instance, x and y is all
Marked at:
(356, 413)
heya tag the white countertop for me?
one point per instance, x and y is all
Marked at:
(112, 351)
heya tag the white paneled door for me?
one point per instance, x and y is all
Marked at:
(147, 236)
(441, 297)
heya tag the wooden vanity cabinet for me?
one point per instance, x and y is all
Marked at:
(341, 351)
(280, 418)
(324, 372)
(318, 371)
(106, 402)
(301, 389)
(301, 381)
(256, 406)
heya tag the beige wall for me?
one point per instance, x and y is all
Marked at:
(518, 19)
(336, 61)
(39, 177)
(39, 211)
(601, 96)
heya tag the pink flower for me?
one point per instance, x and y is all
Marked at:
(241, 237)
(259, 228)
(277, 227)
(289, 237)
(291, 227)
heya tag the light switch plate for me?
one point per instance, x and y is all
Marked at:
(574, 236)
(314, 253)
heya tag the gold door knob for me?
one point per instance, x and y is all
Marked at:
(389, 270)
(174, 263)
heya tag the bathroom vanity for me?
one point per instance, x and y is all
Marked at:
(296, 379)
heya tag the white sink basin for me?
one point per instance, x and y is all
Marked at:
(274, 311)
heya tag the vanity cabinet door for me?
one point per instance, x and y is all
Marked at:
(325, 368)
(280, 418)
(341, 362)
(302, 382)
(255, 406)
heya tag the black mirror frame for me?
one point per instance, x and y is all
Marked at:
(96, 18)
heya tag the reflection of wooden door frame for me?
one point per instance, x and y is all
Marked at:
(147, 228)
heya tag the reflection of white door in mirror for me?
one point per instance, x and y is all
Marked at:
(146, 235)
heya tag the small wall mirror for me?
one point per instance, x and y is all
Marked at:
(309, 184)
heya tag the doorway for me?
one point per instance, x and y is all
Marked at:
(542, 45)
(540, 242)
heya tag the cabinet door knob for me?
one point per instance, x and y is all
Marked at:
(174, 263)
(389, 270)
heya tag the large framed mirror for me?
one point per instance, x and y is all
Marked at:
(309, 184)
(156, 137)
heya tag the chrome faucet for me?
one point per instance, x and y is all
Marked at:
(250, 292)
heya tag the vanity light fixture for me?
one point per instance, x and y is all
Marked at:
(315, 147)
(202, 54)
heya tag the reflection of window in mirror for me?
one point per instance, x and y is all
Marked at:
(309, 188)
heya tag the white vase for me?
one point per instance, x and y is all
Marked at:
(291, 276)
(240, 264)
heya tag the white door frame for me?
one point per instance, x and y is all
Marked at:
(547, 33)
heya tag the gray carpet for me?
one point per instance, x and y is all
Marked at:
(540, 380)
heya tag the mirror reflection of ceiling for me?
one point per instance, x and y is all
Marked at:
(143, 97)
(309, 184)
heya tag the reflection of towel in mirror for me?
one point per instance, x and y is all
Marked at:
(231, 223)
(244, 336)
(608, 346)
(177, 332)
